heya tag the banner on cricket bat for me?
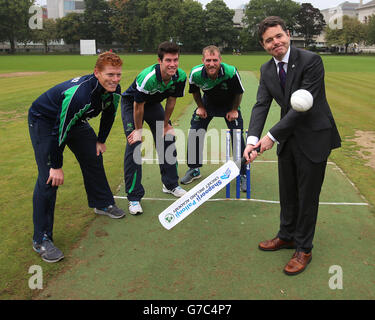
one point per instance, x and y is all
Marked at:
(195, 197)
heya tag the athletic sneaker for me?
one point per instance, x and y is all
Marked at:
(111, 211)
(191, 175)
(135, 208)
(47, 251)
(243, 183)
(178, 192)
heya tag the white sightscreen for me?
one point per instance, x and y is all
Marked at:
(88, 46)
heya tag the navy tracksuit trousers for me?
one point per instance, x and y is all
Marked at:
(196, 140)
(81, 141)
(165, 147)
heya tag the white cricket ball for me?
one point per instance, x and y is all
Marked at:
(301, 100)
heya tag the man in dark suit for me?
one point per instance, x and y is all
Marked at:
(304, 139)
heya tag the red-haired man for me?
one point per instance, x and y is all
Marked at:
(59, 118)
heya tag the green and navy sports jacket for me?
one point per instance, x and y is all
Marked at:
(149, 87)
(70, 102)
(218, 93)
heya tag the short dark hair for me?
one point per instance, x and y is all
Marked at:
(167, 47)
(268, 22)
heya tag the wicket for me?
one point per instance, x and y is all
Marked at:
(236, 156)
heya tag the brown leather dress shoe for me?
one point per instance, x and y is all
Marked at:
(298, 263)
(275, 244)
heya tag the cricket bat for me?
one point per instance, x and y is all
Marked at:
(198, 195)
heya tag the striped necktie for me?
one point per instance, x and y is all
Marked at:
(282, 74)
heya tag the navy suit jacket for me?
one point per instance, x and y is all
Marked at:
(315, 130)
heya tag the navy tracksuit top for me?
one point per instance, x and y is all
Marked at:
(72, 102)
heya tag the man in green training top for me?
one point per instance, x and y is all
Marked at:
(222, 88)
(141, 102)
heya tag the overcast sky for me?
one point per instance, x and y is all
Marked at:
(234, 4)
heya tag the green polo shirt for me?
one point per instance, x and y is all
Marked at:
(150, 88)
(218, 93)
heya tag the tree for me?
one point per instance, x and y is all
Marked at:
(70, 27)
(192, 32)
(162, 23)
(332, 36)
(47, 34)
(309, 23)
(370, 38)
(352, 32)
(219, 24)
(257, 10)
(97, 21)
(248, 41)
(143, 24)
(14, 20)
(126, 19)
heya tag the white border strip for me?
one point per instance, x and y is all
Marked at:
(254, 200)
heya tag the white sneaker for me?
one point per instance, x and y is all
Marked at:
(178, 192)
(135, 208)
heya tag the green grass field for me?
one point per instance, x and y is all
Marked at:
(350, 93)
